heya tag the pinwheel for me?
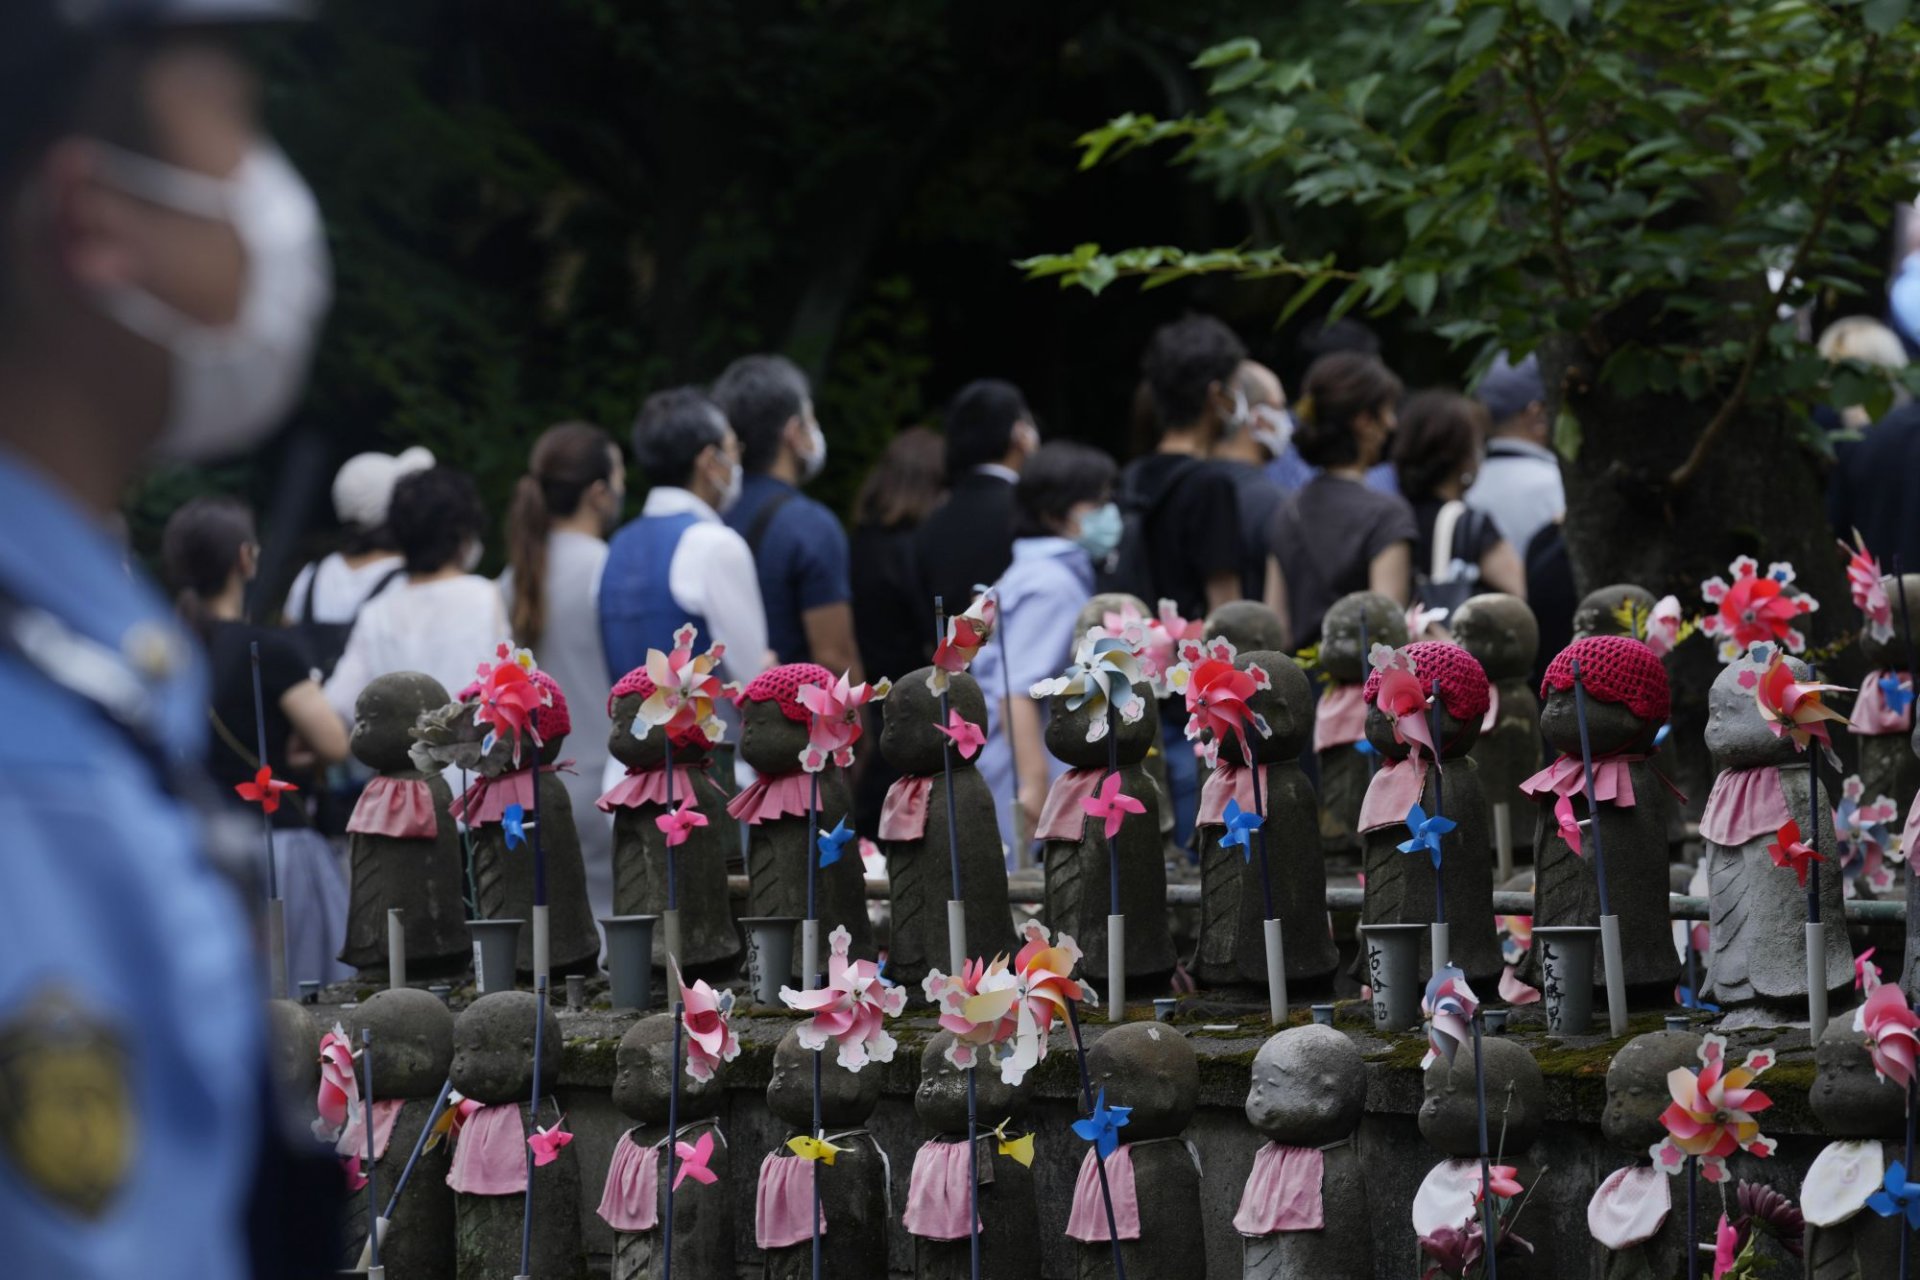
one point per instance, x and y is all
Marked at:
(265, 790)
(1403, 699)
(850, 1010)
(1111, 804)
(1569, 825)
(967, 632)
(1896, 691)
(1502, 1180)
(1897, 1196)
(1516, 937)
(546, 1143)
(976, 1005)
(1866, 974)
(1791, 708)
(833, 843)
(966, 736)
(507, 699)
(1006, 1011)
(1240, 828)
(1868, 588)
(708, 1017)
(1666, 628)
(808, 1147)
(680, 823)
(1726, 1244)
(1427, 833)
(1449, 1004)
(1217, 692)
(1787, 850)
(1102, 676)
(1019, 1149)
(1684, 997)
(834, 725)
(1893, 1034)
(1102, 1128)
(514, 824)
(695, 1158)
(459, 1110)
(1865, 835)
(339, 1085)
(685, 689)
(1754, 609)
(1712, 1113)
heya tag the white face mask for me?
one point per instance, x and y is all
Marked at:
(730, 492)
(471, 561)
(231, 384)
(1238, 422)
(1273, 428)
(814, 460)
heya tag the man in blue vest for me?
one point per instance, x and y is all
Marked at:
(679, 562)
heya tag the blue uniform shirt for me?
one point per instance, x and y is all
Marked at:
(130, 1025)
(801, 558)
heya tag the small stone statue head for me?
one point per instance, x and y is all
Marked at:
(295, 1044)
(911, 740)
(493, 1048)
(1249, 625)
(847, 1098)
(1626, 693)
(1464, 698)
(773, 720)
(941, 1099)
(447, 737)
(1151, 1068)
(553, 723)
(1118, 603)
(639, 745)
(412, 1041)
(1595, 615)
(1067, 733)
(384, 715)
(1287, 705)
(1848, 1099)
(1637, 1087)
(1516, 1097)
(1500, 632)
(1309, 1087)
(1737, 734)
(643, 1076)
(1342, 655)
(1891, 654)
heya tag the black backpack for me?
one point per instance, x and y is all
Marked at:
(1129, 569)
(326, 641)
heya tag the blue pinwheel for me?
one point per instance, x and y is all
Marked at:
(1661, 735)
(1366, 748)
(1684, 996)
(1102, 1128)
(833, 843)
(1896, 693)
(1240, 828)
(1426, 833)
(1897, 1196)
(514, 823)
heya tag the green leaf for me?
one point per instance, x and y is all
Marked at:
(1228, 51)
(1420, 287)
(1360, 90)
(1301, 297)
(1482, 29)
(1558, 12)
(1882, 16)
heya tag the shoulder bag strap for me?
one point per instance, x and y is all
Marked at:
(1443, 525)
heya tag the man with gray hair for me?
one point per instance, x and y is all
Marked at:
(1519, 483)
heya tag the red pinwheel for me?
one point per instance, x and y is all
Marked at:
(1792, 708)
(1217, 693)
(1712, 1113)
(1111, 804)
(1503, 1180)
(680, 823)
(264, 790)
(507, 698)
(708, 1017)
(1868, 588)
(966, 735)
(693, 1161)
(339, 1085)
(1403, 699)
(1788, 850)
(546, 1143)
(1754, 609)
(1893, 1034)
(967, 632)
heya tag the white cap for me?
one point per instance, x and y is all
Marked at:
(363, 486)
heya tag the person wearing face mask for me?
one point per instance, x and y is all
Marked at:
(563, 508)
(1256, 434)
(678, 562)
(441, 618)
(163, 274)
(968, 539)
(799, 549)
(1065, 520)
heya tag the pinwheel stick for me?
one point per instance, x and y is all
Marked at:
(1906, 623)
(973, 1172)
(1363, 657)
(1099, 1165)
(810, 927)
(533, 1118)
(673, 1129)
(1693, 1219)
(1488, 1223)
(276, 909)
(378, 1228)
(1116, 921)
(820, 1134)
(1816, 931)
(1442, 948)
(1612, 962)
(1270, 926)
(466, 852)
(1906, 1231)
(542, 939)
(956, 905)
(366, 1121)
(670, 918)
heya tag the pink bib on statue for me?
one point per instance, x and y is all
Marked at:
(1088, 1221)
(490, 1158)
(1063, 817)
(938, 1191)
(1630, 1206)
(353, 1138)
(782, 1200)
(903, 816)
(1396, 788)
(1340, 717)
(767, 798)
(1744, 804)
(647, 786)
(1282, 1192)
(631, 1201)
(487, 799)
(398, 807)
(1230, 782)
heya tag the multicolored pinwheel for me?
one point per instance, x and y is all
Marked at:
(507, 698)
(1788, 850)
(1754, 609)
(1868, 843)
(1217, 692)
(1869, 589)
(835, 723)
(1005, 1013)
(967, 632)
(1892, 1032)
(1792, 708)
(1103, 674)
(1403, 698)
(1450, 1005)
(1712, 1113)
(1102, 1128)
(685, 689)
(849, 1012)
(708, 1017)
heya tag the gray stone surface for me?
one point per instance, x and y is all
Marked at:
(1151, 1068)
(1501, 633)
(1009, 1216)
(1637, 1093)
(853, 1190)
(1344, 772)
(412, 1058)
(1310, 1090)
(493, 1048)
(703, 1225)
(1248, 625)
(1594, 615)
(1851, 1103)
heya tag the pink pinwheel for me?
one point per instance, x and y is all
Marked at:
(850, 1011)
(265, 790)
(1754, 609)
(1046, 983)
(679, 824)
(1665, 626)
(546, 1143)
(1791, 708)
(967, 633)
(693, 1161)
(1712, 1113)
(1403, 699)
(685, 689)
(708, 1018)
(1869, 589)
(1217, 693)
(339, 1085)
(356, 1179)
(1502, 1179)
(507, 698)
(835, 725)
(1112, 804)
(1569, 826)
(1866, 974)
(1788, 850)
(976, 1005)
(1726, 1245)
(1450, 1005)
(966, 735)
(1003, 1013)
(1893, 1034)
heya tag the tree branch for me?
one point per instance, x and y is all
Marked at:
(1556, 195)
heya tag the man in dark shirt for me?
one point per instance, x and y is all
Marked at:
(969, 539)
(799, 548)
(1871, 489)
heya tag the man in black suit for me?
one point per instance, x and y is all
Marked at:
(969, 539)
(1869, 490)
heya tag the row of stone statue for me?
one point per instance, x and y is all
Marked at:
(1307, 1209)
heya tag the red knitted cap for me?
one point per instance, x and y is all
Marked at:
(635, 681)
(549, 722)
(782, 685)
(1463, 681)
(1614, 669)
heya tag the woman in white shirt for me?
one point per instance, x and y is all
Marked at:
(441, 618)
(332, 589)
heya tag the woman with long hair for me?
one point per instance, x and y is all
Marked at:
(1436, 453)
(209, 555)
(563, 509)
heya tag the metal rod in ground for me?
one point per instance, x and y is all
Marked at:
(1270, 928)
(810, 927)
(1693, 1221)
(673, 1133)
(1906, 1232)
(1370, 755)
(1439, 805)
(1488, 1223)
(542, 938)
(819, 1135)
(1099, 1165)
(276, 910)
(533, 1117)
(973, 1171)
(1613, 964)
(1116, 920)
(366, 1121)
(1816, 931)
(673, 888)
(419, 1145)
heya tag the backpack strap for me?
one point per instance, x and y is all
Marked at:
(763, 520)
(1443, 525)
(306, 603)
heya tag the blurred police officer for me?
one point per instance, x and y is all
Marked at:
(162, 275)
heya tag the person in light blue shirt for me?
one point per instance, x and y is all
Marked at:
(163, 278)
(1064, 520)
